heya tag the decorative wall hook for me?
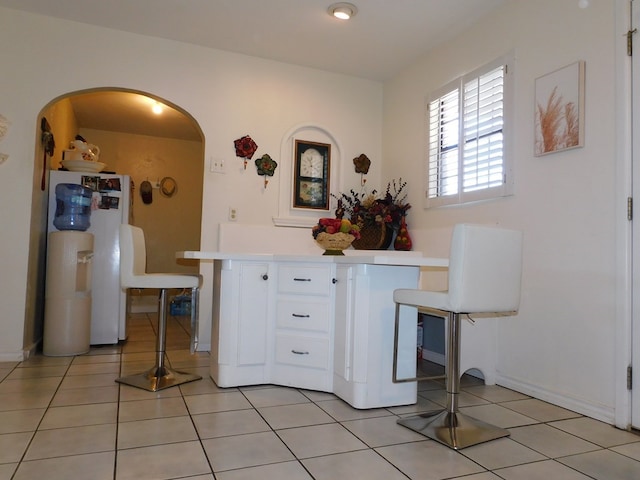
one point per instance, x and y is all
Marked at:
(362, 164)
(266, 166)
(245, 148)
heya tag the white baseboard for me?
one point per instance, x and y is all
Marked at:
(598, 412)
(14, 356)
(581, 406)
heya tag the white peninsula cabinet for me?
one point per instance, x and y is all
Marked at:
(314, 322)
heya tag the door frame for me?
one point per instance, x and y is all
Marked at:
(625, 314)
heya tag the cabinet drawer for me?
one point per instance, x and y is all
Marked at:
(302, 351)
(303, 315)
(304, 279)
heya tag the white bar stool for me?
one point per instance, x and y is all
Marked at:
(133, 264)
(485, 269)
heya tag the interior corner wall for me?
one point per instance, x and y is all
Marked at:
(561, 345)
(229, 95)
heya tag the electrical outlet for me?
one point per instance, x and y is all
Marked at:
(233, 214)
(218, 165)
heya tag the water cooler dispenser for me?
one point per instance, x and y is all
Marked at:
(73, 207)
(67, 310)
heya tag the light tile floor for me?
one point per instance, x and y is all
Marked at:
(65, 418)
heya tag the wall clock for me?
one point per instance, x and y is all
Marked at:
(311, 172)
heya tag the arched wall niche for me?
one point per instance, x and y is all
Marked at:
(288, 215)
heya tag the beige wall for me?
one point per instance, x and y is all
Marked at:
(170, 223)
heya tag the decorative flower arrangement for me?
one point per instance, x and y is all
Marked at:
(367, 209)
(335, 225)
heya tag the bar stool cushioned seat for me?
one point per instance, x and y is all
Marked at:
(485, 269)
(133, 264)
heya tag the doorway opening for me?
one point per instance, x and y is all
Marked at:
(166, 150)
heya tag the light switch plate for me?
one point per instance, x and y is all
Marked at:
(218, 165)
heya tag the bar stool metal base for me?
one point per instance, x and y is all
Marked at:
(449, 426)
(453, 429)
(158, 378)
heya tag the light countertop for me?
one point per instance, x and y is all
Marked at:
(370, 257)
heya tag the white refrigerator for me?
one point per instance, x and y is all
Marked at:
(110, 206)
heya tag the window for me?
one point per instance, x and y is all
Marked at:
(467, 159)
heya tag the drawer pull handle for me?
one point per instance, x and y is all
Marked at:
(299, 315)
(334, 281)
(298, 352)
(265, 277)
(301, 279)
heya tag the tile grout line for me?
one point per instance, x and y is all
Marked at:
(46, 409)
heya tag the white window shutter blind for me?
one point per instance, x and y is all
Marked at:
(482, 131)
(466, 141)
(444, 133)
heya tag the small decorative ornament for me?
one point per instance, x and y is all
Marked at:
(266, 166)
(168, 187)
(245, 148)
(48, 145)
(362, 164)
(146, 192)
(403, 239)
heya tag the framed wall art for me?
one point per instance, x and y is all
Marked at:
(559, 109)
(311, 174)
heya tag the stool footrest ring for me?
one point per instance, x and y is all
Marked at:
(415, 379)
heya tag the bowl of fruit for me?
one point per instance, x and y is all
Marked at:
(335, 234)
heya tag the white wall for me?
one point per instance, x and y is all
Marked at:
(561, 345)
(229, 95)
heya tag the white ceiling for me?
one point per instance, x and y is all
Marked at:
(384, 37)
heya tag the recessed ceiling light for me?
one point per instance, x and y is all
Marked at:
(157, 108)
(343, 11)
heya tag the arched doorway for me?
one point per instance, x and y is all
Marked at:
(133, 142)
